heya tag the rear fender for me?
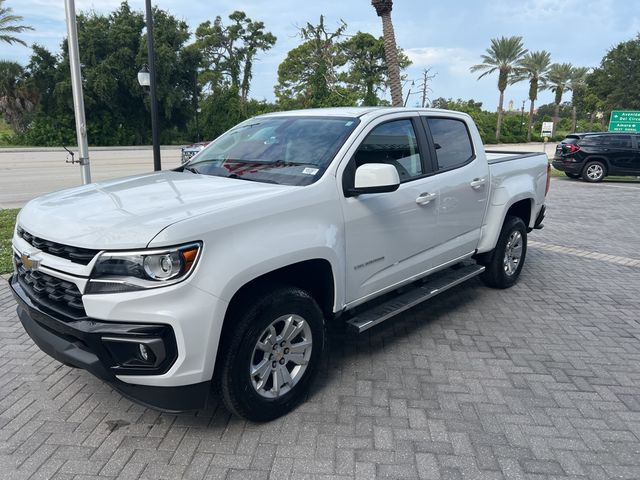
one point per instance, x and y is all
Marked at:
(508, 193)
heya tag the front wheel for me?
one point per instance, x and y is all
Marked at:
(505, 263)
(272, 354)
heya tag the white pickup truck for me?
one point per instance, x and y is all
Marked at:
(224, 272)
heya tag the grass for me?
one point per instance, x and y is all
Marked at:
(7, 222)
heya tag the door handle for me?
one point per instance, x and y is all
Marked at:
(478, 182)
(425, 198)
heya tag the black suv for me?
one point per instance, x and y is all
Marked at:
(593, 156)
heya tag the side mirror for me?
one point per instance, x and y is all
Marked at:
(375, 178)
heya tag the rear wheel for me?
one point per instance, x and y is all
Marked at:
(272, 354)
(594, 171)
(572, 175)
(505, 263)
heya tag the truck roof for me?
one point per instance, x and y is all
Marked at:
(349, 111)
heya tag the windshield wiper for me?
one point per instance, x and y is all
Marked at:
(238, 177)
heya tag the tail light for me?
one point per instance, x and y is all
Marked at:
(546, 190)
(570, 148)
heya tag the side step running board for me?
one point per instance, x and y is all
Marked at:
(439, 283)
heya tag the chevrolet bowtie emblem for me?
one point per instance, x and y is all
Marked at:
(28, 262)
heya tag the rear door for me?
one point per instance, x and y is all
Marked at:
(621, 154)
(463, 181)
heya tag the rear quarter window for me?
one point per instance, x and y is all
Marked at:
(451, 141)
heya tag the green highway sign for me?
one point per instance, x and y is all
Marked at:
(624, 121)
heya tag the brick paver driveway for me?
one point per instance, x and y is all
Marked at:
(540, 381)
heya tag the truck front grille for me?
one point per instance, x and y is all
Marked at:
(49, 292)
(76, 254)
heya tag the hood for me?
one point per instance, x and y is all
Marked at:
(129, 212)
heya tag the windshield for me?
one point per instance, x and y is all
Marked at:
(282, 150)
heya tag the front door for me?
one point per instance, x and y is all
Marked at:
(389, 235)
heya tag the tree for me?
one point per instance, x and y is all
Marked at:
(309, 76)
(16, 98)
(8, 27)
(368, 73)
(533, 67)
(502, 56)
(112, 50)
(383, 10)
(612, 82)
(558, 81)
(576, 84)
(228, 52)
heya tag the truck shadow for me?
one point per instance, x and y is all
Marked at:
(353, 360)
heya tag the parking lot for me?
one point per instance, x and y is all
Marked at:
(541, 381)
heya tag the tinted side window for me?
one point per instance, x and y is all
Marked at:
(593, 140)
(394, 143)
(618, 141)
(452, 142)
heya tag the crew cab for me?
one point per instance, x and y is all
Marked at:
(225, 271)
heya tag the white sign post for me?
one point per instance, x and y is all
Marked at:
(547, 131)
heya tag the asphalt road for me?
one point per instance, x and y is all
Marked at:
(26, 173)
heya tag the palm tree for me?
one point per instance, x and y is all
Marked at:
(578, 80)
(503, 56)
(17, 99)
(383, 9)
(558, 81)
(533, 67)
(7, 19)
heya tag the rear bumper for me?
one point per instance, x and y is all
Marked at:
(570, 167)
(80, 344)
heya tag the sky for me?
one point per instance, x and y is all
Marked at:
(446, 36)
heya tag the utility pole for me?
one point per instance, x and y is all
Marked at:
(155, 123)
(426, 78)
(76, 87)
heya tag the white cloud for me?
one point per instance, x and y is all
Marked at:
(456, 60)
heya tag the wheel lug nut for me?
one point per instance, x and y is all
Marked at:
(282, 344)
(282, 361)
(273, 365)
(286, 351)
(275, 347)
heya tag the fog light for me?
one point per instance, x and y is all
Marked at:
(135, 352)
(143, 351)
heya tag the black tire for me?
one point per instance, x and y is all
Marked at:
(496, 274)
(572, 175)
(239, 392)
(594, 171)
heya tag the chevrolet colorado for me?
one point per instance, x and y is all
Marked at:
(225, 271)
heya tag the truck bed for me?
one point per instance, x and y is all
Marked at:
(496, 156)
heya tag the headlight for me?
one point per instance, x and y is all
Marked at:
(129, 271)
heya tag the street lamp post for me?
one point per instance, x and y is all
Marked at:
(151, 72)
(522, 117)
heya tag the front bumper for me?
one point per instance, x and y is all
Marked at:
(566, 166)
(81, 343)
